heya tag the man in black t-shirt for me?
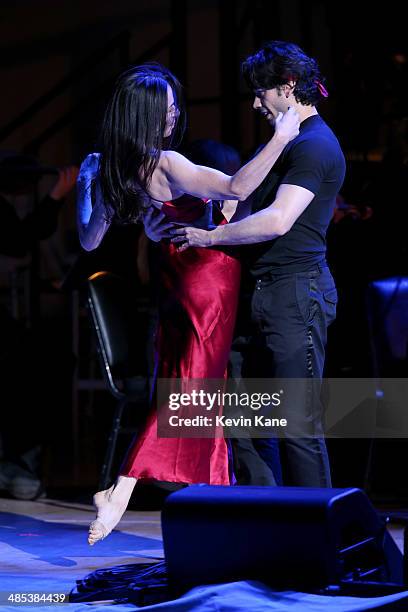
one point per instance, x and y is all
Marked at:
(295, 297)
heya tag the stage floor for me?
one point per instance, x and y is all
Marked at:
(44, 549)
(43, 545)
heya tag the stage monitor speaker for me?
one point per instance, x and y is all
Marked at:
(288, 537)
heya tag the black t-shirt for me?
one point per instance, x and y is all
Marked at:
(313, 160)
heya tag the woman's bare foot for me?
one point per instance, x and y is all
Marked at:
(110, 506)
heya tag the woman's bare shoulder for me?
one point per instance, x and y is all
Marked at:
(169, 159)
(162, 187)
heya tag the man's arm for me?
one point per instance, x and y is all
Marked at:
(267, 224)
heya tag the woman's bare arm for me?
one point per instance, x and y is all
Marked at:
(180, 175)
(92, 220)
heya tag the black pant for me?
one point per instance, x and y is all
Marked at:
(290, 316)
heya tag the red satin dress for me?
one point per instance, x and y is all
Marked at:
(198, 304)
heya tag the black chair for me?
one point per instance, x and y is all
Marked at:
(387, 302)
(387, 310)
(114, 314)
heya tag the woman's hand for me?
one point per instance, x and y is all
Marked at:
(287, 125)
(156, 225)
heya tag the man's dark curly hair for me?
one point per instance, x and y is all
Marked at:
(277, 63)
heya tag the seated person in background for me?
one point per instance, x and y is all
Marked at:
(19, 175)
(22, 363)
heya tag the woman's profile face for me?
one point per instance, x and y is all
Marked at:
(172, 112)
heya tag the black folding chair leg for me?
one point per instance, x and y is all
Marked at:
(110, 451)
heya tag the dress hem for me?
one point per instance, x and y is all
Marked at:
(162, 479)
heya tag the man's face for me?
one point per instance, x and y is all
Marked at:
(270, 102)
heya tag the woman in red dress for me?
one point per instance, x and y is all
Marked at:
(136, 173)
(197, 306)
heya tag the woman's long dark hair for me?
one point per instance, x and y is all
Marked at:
(132, 137)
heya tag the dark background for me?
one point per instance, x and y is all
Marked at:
(77, 49)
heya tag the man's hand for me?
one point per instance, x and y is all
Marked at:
(89, 168)
(88, 180)
(191, 237)
(156, 225)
